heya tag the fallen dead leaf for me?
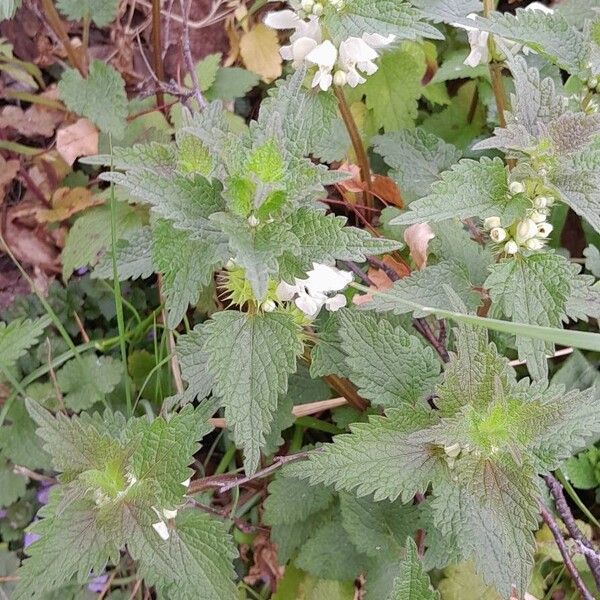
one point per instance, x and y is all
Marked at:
(79, 139)
(417, 237)
(259, 49)
(34, 121)
(265, 567)
(381, 281)
(382, 187)
(65, 203)
(8, 171)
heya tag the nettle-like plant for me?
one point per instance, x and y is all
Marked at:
(457, 443)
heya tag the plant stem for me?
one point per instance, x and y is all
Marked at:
(564, 551)
(187, 54)
(159, 69)
(318, 425)
(573, 494)
(359, 149)
(496, 70)
(117, 286)
(57, 26)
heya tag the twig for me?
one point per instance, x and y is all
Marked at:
(211, 18)
(57, 26)
(496, 70)
(358, 271)
(562, 507)
(187, 53)
(159, 68)
(359, 149)
(557, 354)
(346, 389)
(107, 585)
(422, 326)
(560, 542)
(84, 336)
(239, 523)
(20, 470)
(136, 587)
(224, 483)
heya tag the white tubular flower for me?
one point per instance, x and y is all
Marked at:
(541, 202)
(286, 292)
(306, 36)
(282, 19)
(537, 217)
(544, 230)
(526, 229)
(492, 222)
(534, 244)
(377, 41)
(498, 234)
(323, 279)
(511, 247)
(335, 303)
(358, 54)
(339, 78)
(324, 56)
(516, 187)
(478, 40)
(268, 306)
(310, 304)
(162, 530)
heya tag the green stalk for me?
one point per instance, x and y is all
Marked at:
(573, 494)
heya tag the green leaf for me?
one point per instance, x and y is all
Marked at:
(17, 337)
(416, 159)
(583, 470)
(461, 582)
(100, 97)
(412, 582)
(250, 358)
(393, 91)
(329, 553)
(550, 35)
(186, 264)
(8, 8)
(101, 12)
(532, 289)
(577, 373)
(378, 529)
(327, 355)
(384, 17)
(193, 361)
(86, 382)
(448, 11)
(384, 457)
(297, 585)
(471, 188)
(231, 83)
(206, 70)
(389, 366)
(90, 235)
(592, 260)
(134, 257)
(12, 485)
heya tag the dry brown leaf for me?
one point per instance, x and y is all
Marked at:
(8, 171)
(31, 122)
(259, 48)
(79, 139)
(65, 203)
(265, 567)
(382, 187)
(417, 237)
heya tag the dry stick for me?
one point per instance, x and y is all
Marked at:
(159, 68)
(136, 587)
(562, 507)
(359, 149)
(564, 551)
(187, 53)
(57, 26)
(495, 70)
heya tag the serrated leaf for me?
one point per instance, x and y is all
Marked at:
(134, 257)
(470, 188)
(8, 8)
(448, 11)
(186, 264)
(417, 158)
(383, 457)
(532, 289)
(412, 582)
(549, 34)
(389, 366)
(100, 97)
(193, 361)
(461, 582)
(327, 355)
(206, 70)
(385, 17)
(393, 91)
(101, 12)
(378, 529)
(17, 337)
(86, 382)
(12, 485)
(250, 358)
(231, 83)
(592, 260)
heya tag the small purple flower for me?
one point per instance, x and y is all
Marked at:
(96, 584)
(42, 493)
(3, 513)
(29, 538)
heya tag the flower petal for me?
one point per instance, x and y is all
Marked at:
(308, 304)
(162, 530)
(335, 303)
(376, 40)
(324, 55)
(282, 19)
(285, 291)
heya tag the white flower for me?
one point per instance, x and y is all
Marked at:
(541, 7)
(253, 221)
(187, 482)
(376, 40)
(516, 187)
(162, 530)
(544, 230)
(339, 78)
(534, 244)
(526, 229)
(511, 247)
(452, 451)
(324, 56)
(169, 514)
(306, 37)
(478, 40)
(540, 202)
(311, 294)
(498, 234)
(492, 222)
(268, 306)
(358, 54)
(282, 19)
(537, 217)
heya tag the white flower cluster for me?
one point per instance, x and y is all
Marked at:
(478, 40)
(340, 66)
(311, 294)
(531, 233)
(165, 515)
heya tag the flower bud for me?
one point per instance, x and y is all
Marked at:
(268, 306)
(511, 247)
(526, 229)
(230, 264)
(544, 230)
(537, 217)
(492, 222)
(169, 514)
(317, 9)
(253, 221)
(540, 202)
(307, 5)
(339, 78)
(498, 234)
(534, 244)
(592, 83)
(516, 187)
(452, 451)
